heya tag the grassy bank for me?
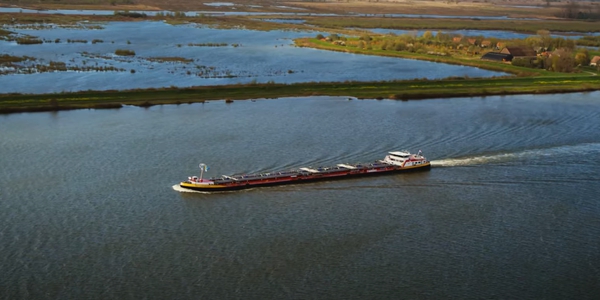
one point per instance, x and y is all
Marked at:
(401, 90)
(528, 26)
(488, 65)
(527, 81)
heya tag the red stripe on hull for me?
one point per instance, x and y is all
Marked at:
(307, 178)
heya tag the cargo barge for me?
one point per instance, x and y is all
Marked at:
(395, 161)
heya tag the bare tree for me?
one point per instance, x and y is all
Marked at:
(561, 61)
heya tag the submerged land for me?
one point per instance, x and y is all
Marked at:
(346, 23)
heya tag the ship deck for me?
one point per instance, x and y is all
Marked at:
(302, 172)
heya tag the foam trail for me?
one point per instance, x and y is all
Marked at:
(580, 150)
(476, 160)
(182, 190)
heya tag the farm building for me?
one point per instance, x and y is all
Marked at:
(497, 56)
(519, 52)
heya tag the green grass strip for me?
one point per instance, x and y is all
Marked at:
(401, 90)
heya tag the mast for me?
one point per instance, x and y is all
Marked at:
(203, 168)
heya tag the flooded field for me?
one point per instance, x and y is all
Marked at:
(229, 9)
(163, 55)
(296, 11)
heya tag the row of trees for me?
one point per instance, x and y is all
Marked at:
(561, 54)
(573, 10)
(543, 40)
(561, 60)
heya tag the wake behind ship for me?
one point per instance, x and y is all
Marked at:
(395, 161)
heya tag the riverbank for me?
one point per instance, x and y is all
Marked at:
(526, 81)
(526, 26)
(461, 60)
(397, 90)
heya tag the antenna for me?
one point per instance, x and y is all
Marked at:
(203, 168)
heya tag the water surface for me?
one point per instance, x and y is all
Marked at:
(247, 56)
(509, 209)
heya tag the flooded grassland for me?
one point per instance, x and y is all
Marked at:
(48, 54)
(164, 55)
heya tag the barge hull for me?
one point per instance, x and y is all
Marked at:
(297, 180)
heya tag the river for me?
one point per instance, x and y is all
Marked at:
(88, 208)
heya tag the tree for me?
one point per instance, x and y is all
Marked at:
(545, 38)
(582, 57)
(443, 37)
(365, 37)
(534, 41)
(400, 46)
(385, 45)
(543, 33)
(571, 10)
(428, 35)
(561, 61)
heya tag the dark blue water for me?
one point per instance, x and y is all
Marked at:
(508, 211)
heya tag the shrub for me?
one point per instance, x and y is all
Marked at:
(130, 14)
(400, 46)
(525, 62)
(365, 37)
(125, 52)
(29, 41)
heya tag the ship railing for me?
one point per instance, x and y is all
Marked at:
(347, 166)
(333, 169)
(305, 171)
(261, 176)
